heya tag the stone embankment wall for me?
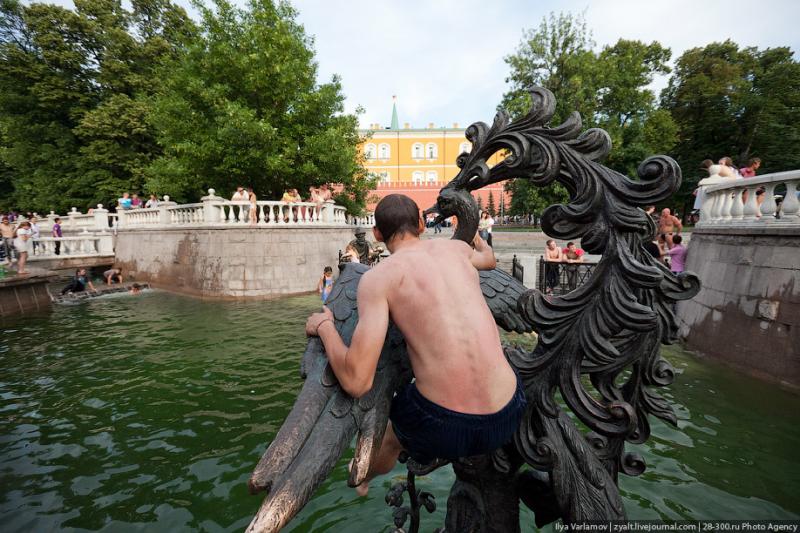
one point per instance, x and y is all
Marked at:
(748, 310)
(23, 294)
(235, 263)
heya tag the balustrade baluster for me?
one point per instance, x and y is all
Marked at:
(790, 205)
(768, 206)
(260, 214)
(737, 208)
(717, 198)
(281, 219)
(726, 205)
(271, 219)
(750, 210)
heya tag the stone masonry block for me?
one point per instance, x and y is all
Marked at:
(235, 284)
(785, 257)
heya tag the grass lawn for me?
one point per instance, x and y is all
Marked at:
(518, 228)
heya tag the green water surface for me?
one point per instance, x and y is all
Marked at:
(148, 413)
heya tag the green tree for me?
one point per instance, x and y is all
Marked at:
(728, 101)
(609, 90)
(627, 108)
(70, 89)
(242, 106)
(490, 205)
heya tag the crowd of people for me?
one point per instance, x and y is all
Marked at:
(20, 235)
(127, 202)
(725, 169)
(316, 195)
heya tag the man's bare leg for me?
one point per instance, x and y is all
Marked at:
(385, 460)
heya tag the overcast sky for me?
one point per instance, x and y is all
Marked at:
(444, 58)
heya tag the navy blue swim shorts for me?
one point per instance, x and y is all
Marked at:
(429, 431)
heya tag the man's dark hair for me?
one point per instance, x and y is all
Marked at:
(570, 244)
(677, 239)
(396, 214)
(328, 269)
(57, 219)
(753, 161)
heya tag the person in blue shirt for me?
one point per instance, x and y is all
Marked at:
(125, 202)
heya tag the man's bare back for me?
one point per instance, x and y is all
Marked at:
(466, 399)
(434, 298)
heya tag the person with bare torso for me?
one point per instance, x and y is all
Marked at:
(668, 224)
(466, 399)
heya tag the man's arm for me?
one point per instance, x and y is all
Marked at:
(482, 256)
(678, 223)
(354, 367)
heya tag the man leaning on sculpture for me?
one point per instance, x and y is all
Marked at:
(466, 399)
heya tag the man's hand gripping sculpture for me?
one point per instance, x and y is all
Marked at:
(466, 400)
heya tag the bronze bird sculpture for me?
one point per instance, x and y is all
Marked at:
(609, 329)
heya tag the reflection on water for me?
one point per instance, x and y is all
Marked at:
(124, 413)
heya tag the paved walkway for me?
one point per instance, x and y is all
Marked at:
(526, 245)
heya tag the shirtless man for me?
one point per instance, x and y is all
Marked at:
(466, 399)
(552, 256)
(667, 225)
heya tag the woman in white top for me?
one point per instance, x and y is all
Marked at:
(23, 244)
(35, 234)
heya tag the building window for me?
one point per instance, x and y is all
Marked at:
(384, 176)
(432, 176)
(369, 151)
(383, 151)
(465, 147)
(418, 177)
(416, 151)
(432, 151)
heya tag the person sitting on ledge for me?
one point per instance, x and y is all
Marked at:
(466, 399)
(79, 282)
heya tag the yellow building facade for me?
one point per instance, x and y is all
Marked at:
(415, 156)
(418, 161)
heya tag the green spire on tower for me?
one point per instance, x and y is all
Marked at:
(395, 122)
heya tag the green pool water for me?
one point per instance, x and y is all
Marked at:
(147, 413)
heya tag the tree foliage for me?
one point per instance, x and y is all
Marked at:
(242, 107)
(71, 81)
(490, 205)
(608, 88)
(737, 102)
(106, 98)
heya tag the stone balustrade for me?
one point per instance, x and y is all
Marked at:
(82, 245)
(211, 211)
(218, 212)
(735, 203)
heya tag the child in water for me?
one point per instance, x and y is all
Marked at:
(325, 284)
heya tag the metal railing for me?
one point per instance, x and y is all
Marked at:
(517, 270)
(561, 278)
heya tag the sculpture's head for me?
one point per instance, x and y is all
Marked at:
(459, 203)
